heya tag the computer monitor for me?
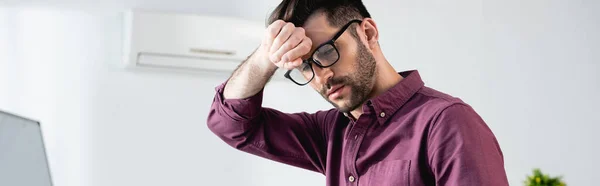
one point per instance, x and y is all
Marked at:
(23, 160)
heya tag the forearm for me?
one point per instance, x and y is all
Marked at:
(250, 77)
(283, 46)
(298, 139)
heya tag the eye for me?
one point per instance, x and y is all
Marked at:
(326, 52)
(304, 67)
(329, 51)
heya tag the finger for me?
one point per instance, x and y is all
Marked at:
(293, 64)
(283, 36)
(290, 44)
(302, 49)
(272, 31)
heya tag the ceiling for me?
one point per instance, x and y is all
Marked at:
(256, 10)
(247, 9)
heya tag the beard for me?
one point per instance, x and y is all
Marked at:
(360, 81)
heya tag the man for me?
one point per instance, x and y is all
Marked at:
(387, 128)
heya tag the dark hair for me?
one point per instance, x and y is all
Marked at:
(338, 12)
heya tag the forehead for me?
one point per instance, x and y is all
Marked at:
(318, 29)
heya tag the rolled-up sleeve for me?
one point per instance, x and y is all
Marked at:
(462, 150)
(297, 139)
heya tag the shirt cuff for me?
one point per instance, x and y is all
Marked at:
(239, 109)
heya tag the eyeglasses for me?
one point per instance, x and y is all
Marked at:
(324, 56)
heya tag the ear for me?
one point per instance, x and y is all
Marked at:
(371, 33)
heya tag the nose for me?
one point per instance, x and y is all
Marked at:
(322, 75)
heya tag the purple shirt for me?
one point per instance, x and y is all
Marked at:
(409, 135)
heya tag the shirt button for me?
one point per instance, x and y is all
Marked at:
(355, 136)
(351, 178)
(382, 114)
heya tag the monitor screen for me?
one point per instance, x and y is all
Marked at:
(23, 160)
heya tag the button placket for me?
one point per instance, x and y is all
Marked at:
(355, 136)
(359, 131)
(352, 148)
(349, 150)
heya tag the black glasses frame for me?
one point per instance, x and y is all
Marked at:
(316, 62)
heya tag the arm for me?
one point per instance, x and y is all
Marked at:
(283, 46)
(298, 139)
(238, 118)
(462, 150)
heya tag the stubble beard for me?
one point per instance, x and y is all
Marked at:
(360, 82)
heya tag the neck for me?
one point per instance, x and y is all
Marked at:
(385, 78)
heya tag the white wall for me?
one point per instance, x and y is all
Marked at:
(109, 126)
(40, 80)
(529, 68)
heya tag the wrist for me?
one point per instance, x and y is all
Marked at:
(261, 60)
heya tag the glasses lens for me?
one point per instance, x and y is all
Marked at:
(326, 55)
(303, 74)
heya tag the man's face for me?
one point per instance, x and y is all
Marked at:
(348, 83)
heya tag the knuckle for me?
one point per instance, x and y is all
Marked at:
(274, 28)
(288, 46)
(300, 30)
(308, 41)
(307, 46)
(281, 24)
(306, 49)
(277, 23)
(290, 25)
(273, 24)
(299, 34)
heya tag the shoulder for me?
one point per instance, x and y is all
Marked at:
(450, 115)
(443, 110)
(435, 102)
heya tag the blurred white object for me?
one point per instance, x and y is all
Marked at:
(188, 42)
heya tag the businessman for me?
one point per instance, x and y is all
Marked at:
(386, 128)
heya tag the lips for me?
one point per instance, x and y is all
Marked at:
(334, 89)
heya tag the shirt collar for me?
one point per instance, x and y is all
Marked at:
(387, 103)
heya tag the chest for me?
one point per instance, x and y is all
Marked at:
(367, 152)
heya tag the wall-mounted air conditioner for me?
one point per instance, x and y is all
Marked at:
(188, 42)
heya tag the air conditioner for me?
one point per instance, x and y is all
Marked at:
(188, 42)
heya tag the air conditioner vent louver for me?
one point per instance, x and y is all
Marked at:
(188, 42)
